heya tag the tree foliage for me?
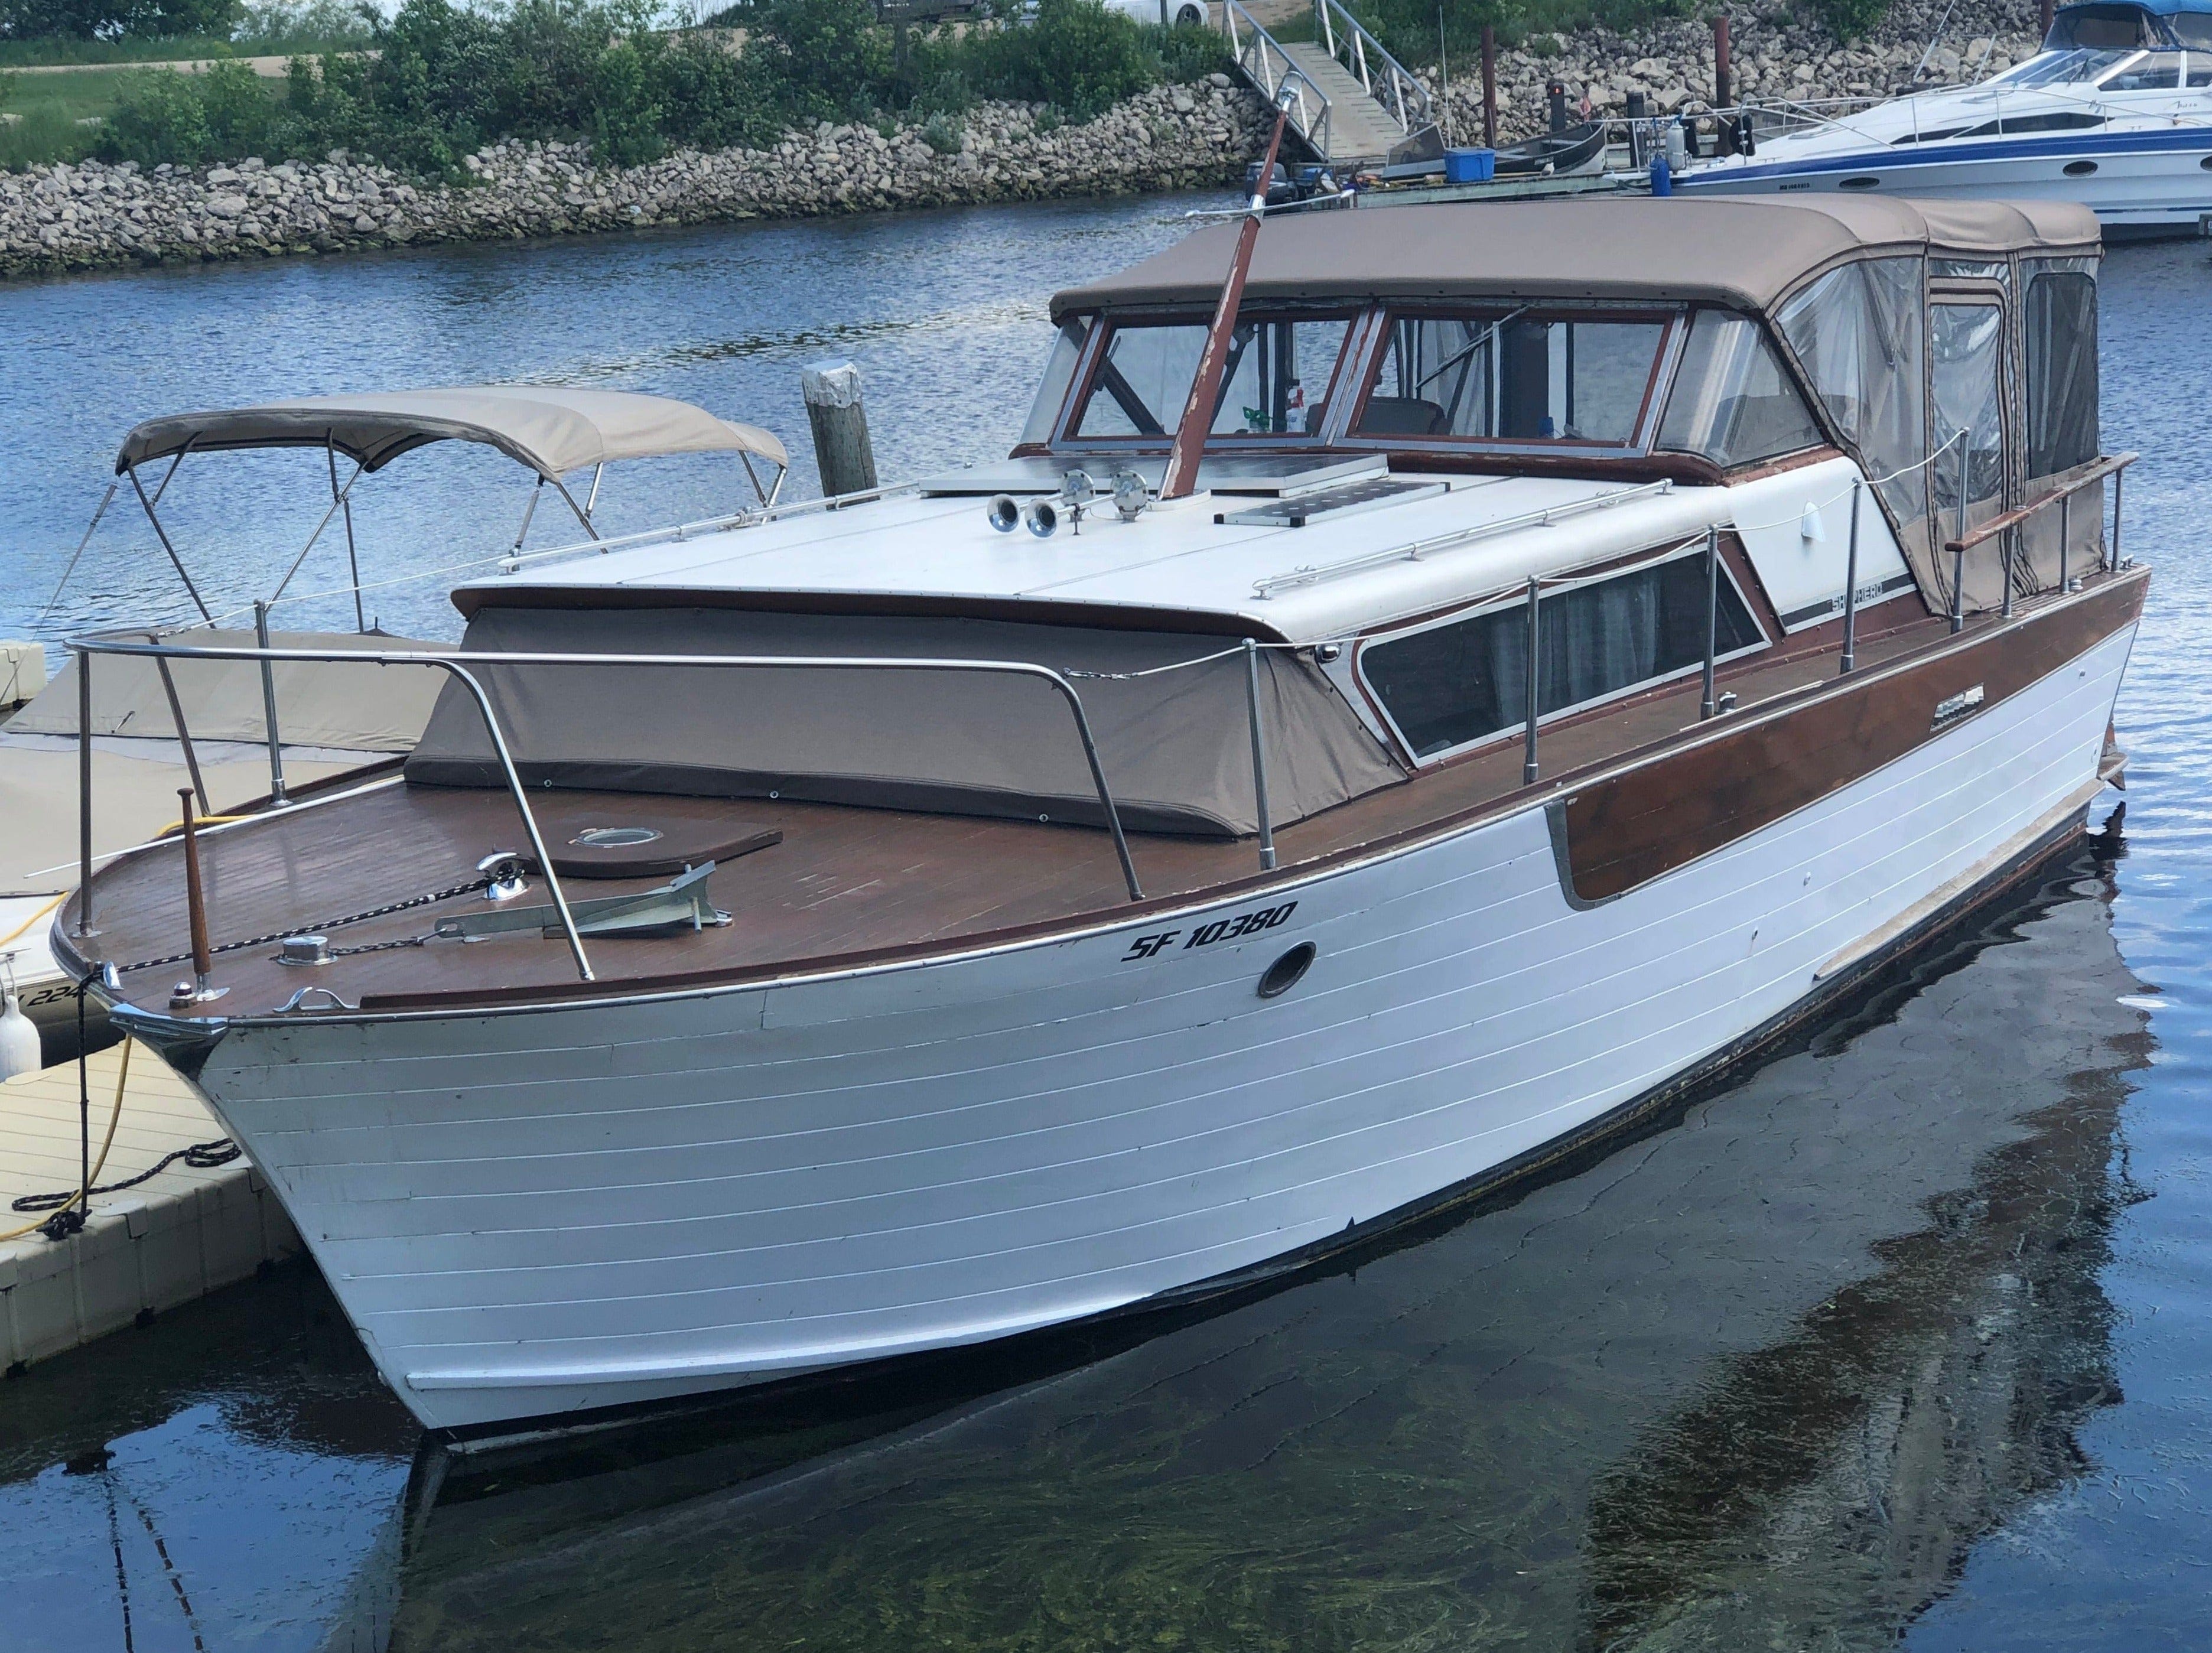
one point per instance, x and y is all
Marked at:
(444, 79)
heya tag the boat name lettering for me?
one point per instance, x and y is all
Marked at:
(1221, 929)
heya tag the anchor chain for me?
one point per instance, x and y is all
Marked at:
(385, 911)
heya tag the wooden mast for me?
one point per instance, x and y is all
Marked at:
(1206, 389)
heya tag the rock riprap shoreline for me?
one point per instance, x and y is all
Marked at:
(1776, 57)
(90, 216)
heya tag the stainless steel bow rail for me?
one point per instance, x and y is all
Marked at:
(456, 665)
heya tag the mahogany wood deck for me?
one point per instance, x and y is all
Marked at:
(1644, 784)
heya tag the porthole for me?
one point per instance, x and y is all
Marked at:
(1287, 971)
(1861, 182)
(2080, 168)
(2206, 163)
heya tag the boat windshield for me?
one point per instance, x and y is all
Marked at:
(1517, 376)
(1276, 382)
(2076, 65)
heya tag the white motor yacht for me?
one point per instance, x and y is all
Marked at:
(2115, 111)
(1593, 639)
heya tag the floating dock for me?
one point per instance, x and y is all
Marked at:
(178, 1235)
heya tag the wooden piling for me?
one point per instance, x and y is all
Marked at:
(840, 422)
(1489, 86)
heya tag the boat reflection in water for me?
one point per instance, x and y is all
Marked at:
(1761, 1378)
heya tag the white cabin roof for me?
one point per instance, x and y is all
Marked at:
(1332, 579)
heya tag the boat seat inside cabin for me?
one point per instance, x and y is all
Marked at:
(1402, 416)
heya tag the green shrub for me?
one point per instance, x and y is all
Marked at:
(831, 57)
(941, 133)
(1074, 54)
(239, 113)
(159, 117)
(1851, 20)
(43, 136)
(1189, 51)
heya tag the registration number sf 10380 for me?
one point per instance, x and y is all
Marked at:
(1221, 929)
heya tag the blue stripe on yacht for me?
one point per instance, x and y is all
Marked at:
(2057, 146)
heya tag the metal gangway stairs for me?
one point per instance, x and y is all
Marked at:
(1350, 102)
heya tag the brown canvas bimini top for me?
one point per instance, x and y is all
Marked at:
(1744, 253)
(553, 430)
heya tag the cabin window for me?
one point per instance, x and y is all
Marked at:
(2061, 372)
(1732, 401)
(1969, 270)
(1857, 332)
(1276, 382)
(1464, 680)
(2194, 30)
(1059, 374)
(1511, 376)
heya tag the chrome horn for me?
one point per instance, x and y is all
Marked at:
(1043, 518)
(1006, 516)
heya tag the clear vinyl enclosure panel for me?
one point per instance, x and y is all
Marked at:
(1276, 381)
(1514, 376)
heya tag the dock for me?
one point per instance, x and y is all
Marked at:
(184, 1232)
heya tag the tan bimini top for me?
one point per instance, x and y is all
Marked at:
(554, 431)
(1746, 253)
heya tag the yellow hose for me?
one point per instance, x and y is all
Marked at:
(178, 825)
(122, 1079)
(20, 929)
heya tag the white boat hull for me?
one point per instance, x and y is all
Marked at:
(2151, 183)
(546, 1211)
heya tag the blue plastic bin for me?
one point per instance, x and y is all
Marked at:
(1470, 166)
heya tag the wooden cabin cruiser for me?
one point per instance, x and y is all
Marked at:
(1023, 897)
(208, 725)
(2115, 111)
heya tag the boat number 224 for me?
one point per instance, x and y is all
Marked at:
(1222, 929)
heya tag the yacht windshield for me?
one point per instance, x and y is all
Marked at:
(1276, 382)
(2078, 64)
(1515, 376)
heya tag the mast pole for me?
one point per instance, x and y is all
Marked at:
(1181, 477)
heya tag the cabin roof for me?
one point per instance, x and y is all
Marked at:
(1746, 253)
(1174, 569)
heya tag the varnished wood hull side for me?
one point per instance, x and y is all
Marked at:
(1624, 830)
(572, 1207)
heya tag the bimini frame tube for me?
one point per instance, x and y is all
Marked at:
(162, 534)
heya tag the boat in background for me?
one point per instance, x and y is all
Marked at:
(212, 726)
(2115, 113)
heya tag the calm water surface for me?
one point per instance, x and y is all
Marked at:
(1902, 1337)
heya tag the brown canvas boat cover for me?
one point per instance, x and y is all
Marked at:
(1175, 744)
(358, 708)
(1746, 253)
(554, 431)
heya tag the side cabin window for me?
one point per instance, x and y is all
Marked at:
(1458, 681)
(1276, 382)
(1732, 401)
(1515, 375)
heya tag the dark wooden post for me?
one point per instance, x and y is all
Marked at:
(1489, 86)
(2043, 21)
(831, 390)
(1721, 66)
